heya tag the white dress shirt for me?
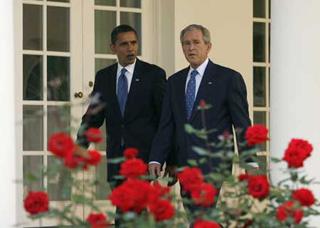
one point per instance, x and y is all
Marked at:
(199, 76)
(129, 73)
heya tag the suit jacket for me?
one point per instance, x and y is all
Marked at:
(224, 89)
(142, 112)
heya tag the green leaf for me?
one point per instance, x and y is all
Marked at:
(200, 151)
(192, 162)
(276, 160)
(188, 128)
(116, 160)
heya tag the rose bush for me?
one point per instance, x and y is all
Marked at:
(249, 201)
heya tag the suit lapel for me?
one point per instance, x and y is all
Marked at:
(181, 91)
(113, 89)
(205, 88)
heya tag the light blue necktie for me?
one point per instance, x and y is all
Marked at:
(122, 91)
(191, 93)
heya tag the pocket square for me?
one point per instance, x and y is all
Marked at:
(209, 83)
(137, 79)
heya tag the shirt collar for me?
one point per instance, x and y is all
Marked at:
(129, 68)
(200, 69)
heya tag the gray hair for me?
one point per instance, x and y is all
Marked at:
(192, 27)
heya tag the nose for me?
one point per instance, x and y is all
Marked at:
(131, 47)
(191, 46)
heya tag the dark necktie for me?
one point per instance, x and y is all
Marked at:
(122, 91)
(191, 93)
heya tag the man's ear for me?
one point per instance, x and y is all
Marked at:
(112, 47)
(209, 46)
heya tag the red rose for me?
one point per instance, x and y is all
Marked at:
(93, 135)
(131, 195)
(206, 224)
(243, 177)
(256, 134)
(94, 157)
(258, 186)
(297, 151)
(161, 210)
(130, 153)
(190, 178)
(298, 216)
(157, 192)
(288, 209)
(304, 196)
(74, 161)
(97, 220)
(36, 202)
(204, 195)
(61, 144)
(202, 104)
(133, 168)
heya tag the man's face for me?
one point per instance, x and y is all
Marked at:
(194, 48)
(125, 48)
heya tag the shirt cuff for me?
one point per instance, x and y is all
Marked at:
(154, 162)
(253, 164)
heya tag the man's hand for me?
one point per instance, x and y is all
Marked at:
(170, 171)
(78, 150)
(154, 169)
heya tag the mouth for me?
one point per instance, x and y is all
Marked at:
(191, 55)
(131, 56)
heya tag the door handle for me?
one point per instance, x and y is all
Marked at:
(78, 94)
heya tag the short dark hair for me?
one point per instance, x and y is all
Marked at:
(121, 29)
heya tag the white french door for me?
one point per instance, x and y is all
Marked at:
(64, 42)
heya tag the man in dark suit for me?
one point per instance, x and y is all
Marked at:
(222, 88)
(128, 97)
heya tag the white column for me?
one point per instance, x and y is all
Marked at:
(295, 82)
(7, 126)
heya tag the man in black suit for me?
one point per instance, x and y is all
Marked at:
(128, 97)
(222, 88)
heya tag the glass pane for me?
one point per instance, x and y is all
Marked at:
(106, 2)
(32, 77)
(269, 8)
(102, 63)
(59, 180)
(58, 0)
(134, 20)
(259, 8)
(58, 119)
(260, 118)
(259, 42)
(58, 76)
(32, 128)
(259, 86)
(104, 22)
(32, 173)
(130, 3)
(32, 27)
(58, 29)
(102, 188)
(269, 42)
